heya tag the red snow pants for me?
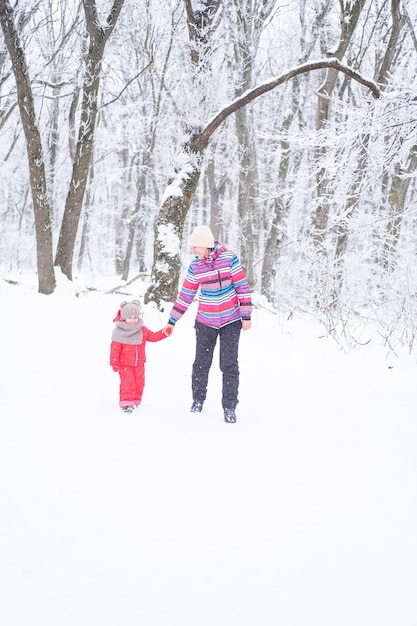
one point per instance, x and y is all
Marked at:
(132, 382)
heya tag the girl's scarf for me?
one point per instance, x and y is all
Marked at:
(128, 333)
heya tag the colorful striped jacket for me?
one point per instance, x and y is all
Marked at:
(224, 290)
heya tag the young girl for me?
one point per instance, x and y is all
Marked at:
(127, 353)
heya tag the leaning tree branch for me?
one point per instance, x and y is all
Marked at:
(202, 139)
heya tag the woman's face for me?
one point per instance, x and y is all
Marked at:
(200, 252)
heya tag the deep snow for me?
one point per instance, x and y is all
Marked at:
(303, 513)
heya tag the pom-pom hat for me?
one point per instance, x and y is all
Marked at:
(201, 237)
(130, 309)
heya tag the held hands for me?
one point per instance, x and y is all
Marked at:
(168, 330)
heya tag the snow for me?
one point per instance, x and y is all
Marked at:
(302, 513)
(168, 240)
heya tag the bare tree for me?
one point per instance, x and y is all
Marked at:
(403, 171)
(401, 175)
(41, 206)
(250, 19)
(98, 35)
(180, 191)
(137, 218)
(288, 160)
(350, 12)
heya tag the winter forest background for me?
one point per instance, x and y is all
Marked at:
(287, 126)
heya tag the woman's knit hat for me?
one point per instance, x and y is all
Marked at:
(201, 237)
(129, 309)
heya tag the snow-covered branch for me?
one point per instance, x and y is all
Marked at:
(251, 94)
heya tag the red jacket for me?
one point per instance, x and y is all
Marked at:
(123, 354)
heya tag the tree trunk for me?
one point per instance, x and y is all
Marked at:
(83, 249)
(250, 21)
(281, 205)
(169, 229)
(248, 186)
(41, 206)
(396, 202)
(358, 176)
(287, 160)
(215, 192)
(350, 14)
(98, 37)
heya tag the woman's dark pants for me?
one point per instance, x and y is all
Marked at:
(206, 338)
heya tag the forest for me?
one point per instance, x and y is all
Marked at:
(287, 126)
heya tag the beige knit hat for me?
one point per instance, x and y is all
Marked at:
(130, 309)
(201, 237)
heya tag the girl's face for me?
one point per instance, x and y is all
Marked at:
(132, 320)
(200, 252)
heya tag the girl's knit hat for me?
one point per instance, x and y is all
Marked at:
(201, 237)
(129, 309)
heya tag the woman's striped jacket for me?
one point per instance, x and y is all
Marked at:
(224, 290)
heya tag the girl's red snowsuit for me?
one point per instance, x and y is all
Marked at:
(129, 361)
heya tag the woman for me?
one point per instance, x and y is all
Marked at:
(224, 309)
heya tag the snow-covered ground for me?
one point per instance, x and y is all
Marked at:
(304, 513)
